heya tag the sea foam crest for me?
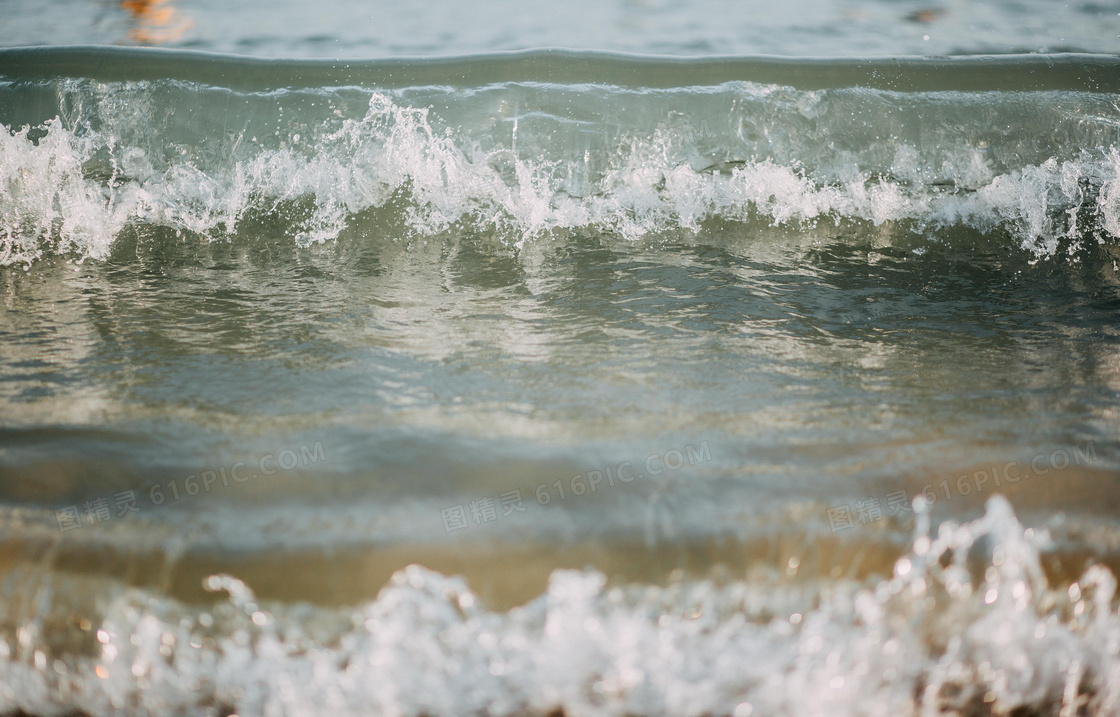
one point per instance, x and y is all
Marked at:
(72, 190)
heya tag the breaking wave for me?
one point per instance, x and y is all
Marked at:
(83, 160)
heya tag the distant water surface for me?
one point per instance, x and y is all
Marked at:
(358, 29)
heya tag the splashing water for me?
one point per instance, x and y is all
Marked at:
(967, 624)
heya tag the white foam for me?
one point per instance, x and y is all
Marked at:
(967, 620)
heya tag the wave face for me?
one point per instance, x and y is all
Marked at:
(84, 159)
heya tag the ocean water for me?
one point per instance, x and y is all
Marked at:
(731, 360)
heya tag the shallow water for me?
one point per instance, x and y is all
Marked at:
(560, 381)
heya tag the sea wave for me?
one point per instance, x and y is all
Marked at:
(83, 159)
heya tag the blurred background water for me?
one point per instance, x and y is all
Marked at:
(357, 29)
